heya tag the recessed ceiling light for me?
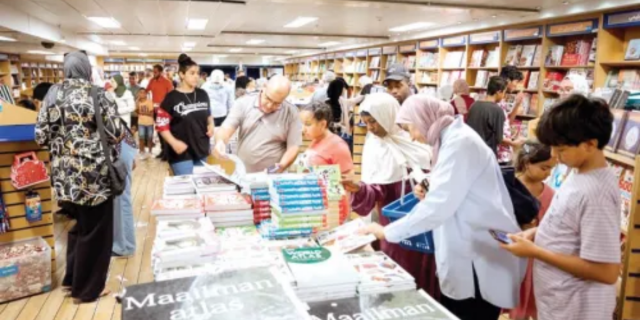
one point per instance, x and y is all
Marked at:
(267, 57)
(197, 24)
(329, 44)
(7, 39)
(40, 52)
(235, 50)
(459, 22)
(118, 43)
(255, 41)
(189, 44)
(494, 16)
(291, 52)
(411, 26)
(184, 49)
(105, 22)
(134, 48)
(221, 56)
(300, 21)
(142, 54)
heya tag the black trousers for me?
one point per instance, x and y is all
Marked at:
(473, 308)
(89, 249)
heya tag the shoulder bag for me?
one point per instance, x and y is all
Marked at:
(117, 171)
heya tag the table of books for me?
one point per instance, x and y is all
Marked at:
(280, 250)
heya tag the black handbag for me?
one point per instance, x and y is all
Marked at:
(117, 170)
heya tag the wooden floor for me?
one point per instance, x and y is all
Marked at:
(148, 179)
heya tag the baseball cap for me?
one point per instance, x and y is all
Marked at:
(396, 72)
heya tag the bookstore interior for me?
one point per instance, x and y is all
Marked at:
(312, 165)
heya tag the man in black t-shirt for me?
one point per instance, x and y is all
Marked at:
(486, 117)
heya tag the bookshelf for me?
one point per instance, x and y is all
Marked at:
(33, 73)
(388, 58)
(360, 68)
(374, 58)
(407, 56)
(453, 59)
(483, 59)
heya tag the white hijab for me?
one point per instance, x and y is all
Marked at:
(385, 160)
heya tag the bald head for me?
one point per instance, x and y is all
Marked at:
(275, 92)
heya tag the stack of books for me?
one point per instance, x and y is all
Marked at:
(177, 209)
(256, 185)
(345, 238)
(380, 274)
(212, 183)
(183, 250)
(271, 231)
(338, 202)
(299, 201)
(320, 274)
(228, 209)
(179, 187)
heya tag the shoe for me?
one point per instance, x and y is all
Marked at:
(160, 156)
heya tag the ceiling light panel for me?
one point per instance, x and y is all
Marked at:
(118, 43)
(300, 21)
(255, 41)
(411, 27)
(329, 44)
(7, 39)
(40, 52)
(235, 50)
(197, 24)
(189, 44)
(134, 48)
(105, 22)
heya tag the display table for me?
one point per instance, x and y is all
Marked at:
(17, 134)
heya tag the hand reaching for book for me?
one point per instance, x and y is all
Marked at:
(374, 229)
(349, 184)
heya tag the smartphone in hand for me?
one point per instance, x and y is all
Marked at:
(500, 236)
(273, 169)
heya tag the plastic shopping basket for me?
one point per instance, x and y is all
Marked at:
(400, 208)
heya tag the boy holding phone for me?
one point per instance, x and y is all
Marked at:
(577, 245)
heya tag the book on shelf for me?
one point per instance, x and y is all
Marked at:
(409, 62)
(533, 105)
(619, 120)
(482, 79)
(549, 103)
(453, 59)
(493, 59)
(428, 60)
(633, 50)
(630, 138)
(553, 80)
(513, 55)
(554, 55)
(533, 80)
(629, 79)
(525, 80)
(429, 77)
(527, 55)
(526, 104)
(391, 59)
(478, 58)
(375, 62)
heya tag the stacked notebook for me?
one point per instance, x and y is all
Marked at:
(346, 238)
(380, 274)
(228, 209)
(320, 274)
(179, 187)
(338, 202)
(212, 183)
(177, 209)
(184, 250)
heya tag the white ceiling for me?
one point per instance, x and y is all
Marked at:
(142, 18)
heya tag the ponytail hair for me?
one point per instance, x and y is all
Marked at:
(532, 152)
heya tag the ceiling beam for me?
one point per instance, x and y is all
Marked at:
(239, 2)
(450, 5)
(305, 34)
(263, 47)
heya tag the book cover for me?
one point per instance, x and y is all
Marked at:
(316, 267)
(630, 139)
(226, 201)
(346, 237)
(526, 58)
(213, 183)
(378, 271)
(493, 59)
(513, 55)
(626, 188)
(407, 305)
(554, 55)
(619, 120)
(533, 80)
(537, 56)
(165, 206)
(173, 228)
(249, 294)
(553, 80)
(533, 105)
(633, 50)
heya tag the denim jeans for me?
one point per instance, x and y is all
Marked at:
(124, 237)
(184, 168)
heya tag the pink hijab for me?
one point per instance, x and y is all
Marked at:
(429, 115)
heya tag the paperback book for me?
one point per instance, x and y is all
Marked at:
(526, 58)
(633, 50)
(251, 294)
(346, 238)
(380, 274)
(164, 206)
(226, 202)
(630, 140)
(554, 55)
(513, 55)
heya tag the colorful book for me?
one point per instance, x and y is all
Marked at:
(537, 56)
(533, 80)
(630, 138)
(619, 121)
(226, 202)
(554, 55)
(513, 55)
(346, 237)
(633, 50)
(164, 206)
(526, 58)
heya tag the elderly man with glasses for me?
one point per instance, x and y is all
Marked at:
(269, 131)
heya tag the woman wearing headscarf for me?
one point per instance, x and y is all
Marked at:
(445, 93)
(124, 99)
(79, 173)
(462, 101)
(387, 155)
(467, 199)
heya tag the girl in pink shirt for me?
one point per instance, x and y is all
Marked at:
(533, 166)
(326, 148)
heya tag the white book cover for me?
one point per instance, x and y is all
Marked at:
(345, 237)
(175, 228)
(376, 269)
(314, 267)
(184, 246)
